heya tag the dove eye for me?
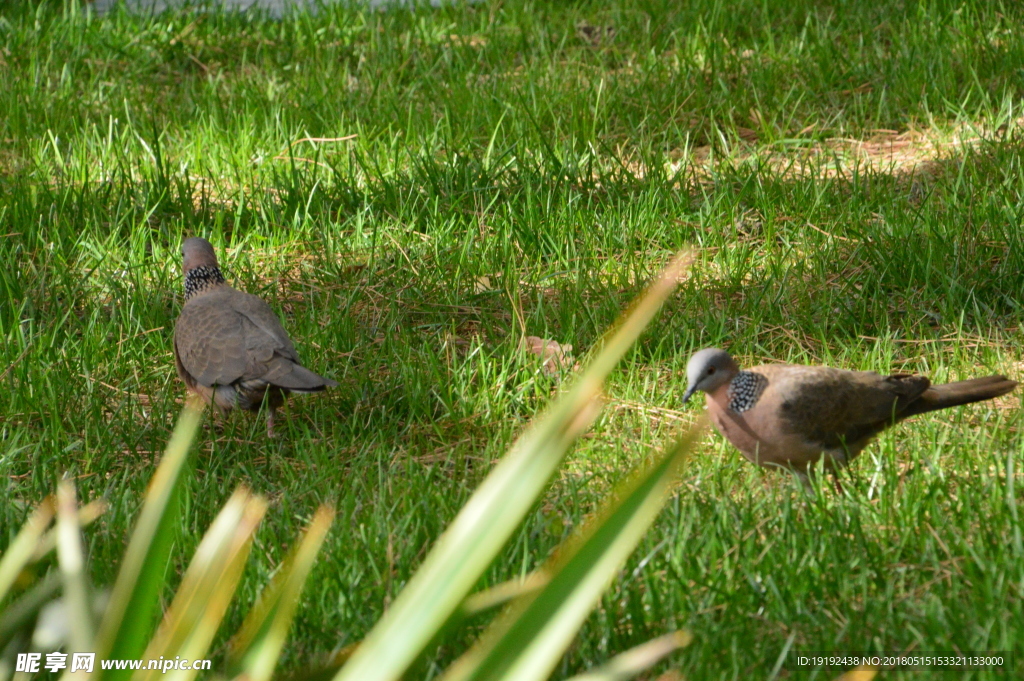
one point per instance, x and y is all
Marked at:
(711, 370)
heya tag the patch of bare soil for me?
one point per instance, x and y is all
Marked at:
(913, 153)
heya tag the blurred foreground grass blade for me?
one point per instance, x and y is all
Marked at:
(255, 651)
(626, 665)
(86, 516)
(500, 594)
(22, 612)
(206, 590)
(483, 526)
(528, 641)
(127, 621)
(71, 559)
(20, 551)
(862, 673)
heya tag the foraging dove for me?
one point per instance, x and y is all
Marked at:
(790, 415)
(229, 346)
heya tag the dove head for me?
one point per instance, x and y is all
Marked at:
(199, 263)
(197, 252)
(708, 370)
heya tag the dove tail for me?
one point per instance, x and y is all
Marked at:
(960, 392)
(296, 378)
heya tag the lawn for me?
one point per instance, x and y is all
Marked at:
(415, 191)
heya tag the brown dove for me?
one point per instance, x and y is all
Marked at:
(229, 346)
(789, 415)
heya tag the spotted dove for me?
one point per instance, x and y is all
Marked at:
(229, 346)
(788, 415)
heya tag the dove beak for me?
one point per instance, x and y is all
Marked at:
(689, 391)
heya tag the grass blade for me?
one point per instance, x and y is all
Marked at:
(127, 621)
(499, 594)
(255, 651)
(22, 612)
(529, 640)
(20, 552)
(207, 587)
(71, 558)
(862, 673)
(87, 515)
(636, 660)
(488, 519)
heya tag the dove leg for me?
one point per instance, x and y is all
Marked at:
(805, 480)
(271, 412)
(214, 398)
(273, 399)
(836, 462)
(218, 417)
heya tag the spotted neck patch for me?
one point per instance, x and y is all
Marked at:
(199, 279)
(745, 390)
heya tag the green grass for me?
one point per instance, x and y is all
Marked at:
(498, 141)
